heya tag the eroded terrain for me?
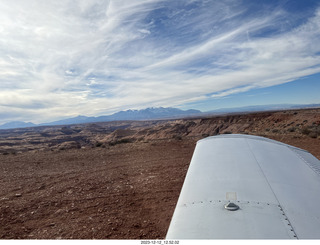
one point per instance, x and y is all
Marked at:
(117, 180)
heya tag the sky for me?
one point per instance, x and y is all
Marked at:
(60, 59)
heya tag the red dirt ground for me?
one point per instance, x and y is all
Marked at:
(127, 191)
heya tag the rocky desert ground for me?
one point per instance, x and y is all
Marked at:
(117, 180)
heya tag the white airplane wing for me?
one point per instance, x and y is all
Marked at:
(248, 187)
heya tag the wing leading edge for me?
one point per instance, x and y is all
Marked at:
(276, 187)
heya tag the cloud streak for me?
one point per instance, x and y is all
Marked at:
(65, 58)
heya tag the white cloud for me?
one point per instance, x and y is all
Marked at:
(65, 58)
(144, 31)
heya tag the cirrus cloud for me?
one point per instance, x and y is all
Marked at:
(65, 58)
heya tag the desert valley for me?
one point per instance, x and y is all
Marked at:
(118, 179)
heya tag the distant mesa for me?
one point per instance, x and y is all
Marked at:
(274, 107)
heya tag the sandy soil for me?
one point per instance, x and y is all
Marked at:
(127, 191)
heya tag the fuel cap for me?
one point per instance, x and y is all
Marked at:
(231, 206)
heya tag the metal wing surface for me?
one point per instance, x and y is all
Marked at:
(276, 187)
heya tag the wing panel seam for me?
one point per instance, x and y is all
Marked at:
(279, 204)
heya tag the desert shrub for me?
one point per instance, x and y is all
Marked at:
(12, 152)
(98, 144)
(177, 137)
(121, 141)
(305, 130)
(126, 140)
(292, 129)
(313, 134)
(275, 130)
(227, 132)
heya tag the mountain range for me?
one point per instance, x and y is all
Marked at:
(155, 113)
(145, 114)
(17, 124)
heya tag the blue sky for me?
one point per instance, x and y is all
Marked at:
(61, 59)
